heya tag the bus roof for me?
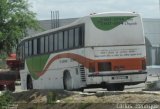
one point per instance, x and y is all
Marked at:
(78, 20)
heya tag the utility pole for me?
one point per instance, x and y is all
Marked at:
(54, 19)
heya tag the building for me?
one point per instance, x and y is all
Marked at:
(152, 34)
(46, 25)
(151, 31)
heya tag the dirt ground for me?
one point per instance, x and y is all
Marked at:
(59, 99)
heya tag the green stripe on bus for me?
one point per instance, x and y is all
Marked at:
(36, 64)
(108, 23)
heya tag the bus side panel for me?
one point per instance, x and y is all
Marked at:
(52, 78)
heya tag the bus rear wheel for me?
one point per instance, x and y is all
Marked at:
(115, 87)
(29, 82)
(120, 87)
(67, 81)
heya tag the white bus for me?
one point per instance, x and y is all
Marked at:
(104, 50)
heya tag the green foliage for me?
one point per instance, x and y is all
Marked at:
(84, 105)
(15, 19)
(2, 64)
(151, 85)
(51, 97)
(3, 55)
(5, 99)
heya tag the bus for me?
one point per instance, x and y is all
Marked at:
(104, 50)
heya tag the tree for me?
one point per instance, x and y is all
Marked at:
(15, 19)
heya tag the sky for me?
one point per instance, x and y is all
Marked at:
(80, 8)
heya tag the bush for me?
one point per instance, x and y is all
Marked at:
(51, 97)
(6, 99)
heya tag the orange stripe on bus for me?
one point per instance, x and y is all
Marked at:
(126, 64)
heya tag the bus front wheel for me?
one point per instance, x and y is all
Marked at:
(67, 80)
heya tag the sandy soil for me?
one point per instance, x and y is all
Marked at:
(52, 99)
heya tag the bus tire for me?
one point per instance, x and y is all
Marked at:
(80, 89)
(111, 87)
(115, 87)
(119, 87)
(67, 80)
(29, 83)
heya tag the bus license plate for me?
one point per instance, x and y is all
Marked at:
(119, 77)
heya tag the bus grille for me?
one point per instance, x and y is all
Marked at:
(82, 71)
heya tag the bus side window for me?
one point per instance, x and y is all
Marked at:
(55, 42)
(60, 41)
(81, 36)
(20, 54)
(26, 48)
(35, 46)
(77, 37)
(30, 47)
(71, 38)
(42, 45)
(38, 46)
(23, 55)
(46, 44)
(65, 39)
(51, 45)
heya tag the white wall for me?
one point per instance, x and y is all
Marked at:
(152, 33)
